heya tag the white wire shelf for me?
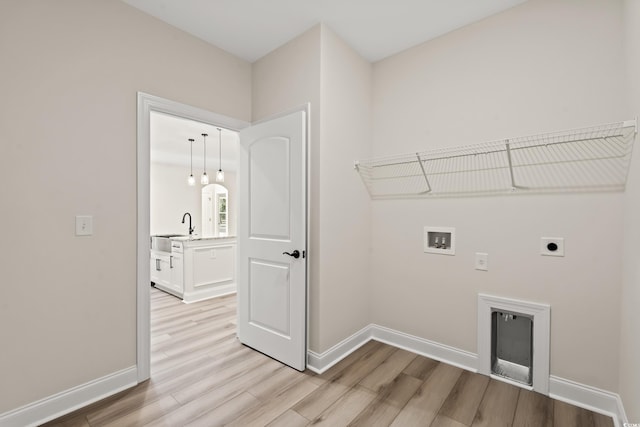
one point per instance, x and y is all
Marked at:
(587, 159)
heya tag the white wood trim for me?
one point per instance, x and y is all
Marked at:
(587, 397)
(622, 415)
(307, 109)
(62, 403)
(541, 335)
(143, 310)
(146, 104)
(218, 291)
(441, 352)
(320, 362)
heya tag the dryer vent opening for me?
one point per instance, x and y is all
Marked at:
(508, 332)
(512, 346)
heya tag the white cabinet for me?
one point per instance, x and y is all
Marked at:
(177, 270)
(161, 268)
(196, 269)
(167, 272)
(210, 267)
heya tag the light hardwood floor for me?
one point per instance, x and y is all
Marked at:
(202, 376)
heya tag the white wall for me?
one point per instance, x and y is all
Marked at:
(542, 66)
(630, 326)
(171, 197)
(70, 73)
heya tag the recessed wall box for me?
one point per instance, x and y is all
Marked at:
(440, 240)
(552, 246)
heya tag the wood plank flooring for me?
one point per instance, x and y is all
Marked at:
(202, 376)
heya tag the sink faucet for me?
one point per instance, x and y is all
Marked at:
(190, 227)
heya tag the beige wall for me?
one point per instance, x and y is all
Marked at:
(70, 73)
(284, 79)
(317, 67)
(344, 211)
(541, 66)
(630, 326)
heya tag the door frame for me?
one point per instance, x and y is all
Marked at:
(147, 103)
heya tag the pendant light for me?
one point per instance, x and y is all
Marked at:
(191, 180)
(204, 179)
(220, 174)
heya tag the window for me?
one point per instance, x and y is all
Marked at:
(222, 213)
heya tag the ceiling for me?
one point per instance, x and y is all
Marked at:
(170, 144)
(251, 29)
(376, 29)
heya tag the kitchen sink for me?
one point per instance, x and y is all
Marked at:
(162, 242)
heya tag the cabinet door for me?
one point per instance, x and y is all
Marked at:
(153, 269)
(177, 272)
(164, 274)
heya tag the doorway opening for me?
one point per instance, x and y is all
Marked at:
(192, 217)
(147, 106)
(273, 159)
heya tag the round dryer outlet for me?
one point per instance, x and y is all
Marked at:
(552, 246)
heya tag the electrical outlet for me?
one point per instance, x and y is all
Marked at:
(482, 261)
(84, 225)
(552, 246)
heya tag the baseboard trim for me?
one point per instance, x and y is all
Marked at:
(584, 396)
(441, 352)
(320, 362)
(587, 397)
(201, 295)
(69, 400)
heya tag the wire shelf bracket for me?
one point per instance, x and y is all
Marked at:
(588, 159)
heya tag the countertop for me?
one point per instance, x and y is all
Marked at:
(198, 238)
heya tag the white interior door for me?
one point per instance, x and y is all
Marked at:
(272, 223)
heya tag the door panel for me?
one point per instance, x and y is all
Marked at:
(269, 172)
(272, 220)
(269, 290)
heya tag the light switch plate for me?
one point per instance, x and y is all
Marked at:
(84, 225)
(482, 261)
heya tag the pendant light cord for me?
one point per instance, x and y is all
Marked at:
(220, 145)
(191, 170)
(204, 137)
